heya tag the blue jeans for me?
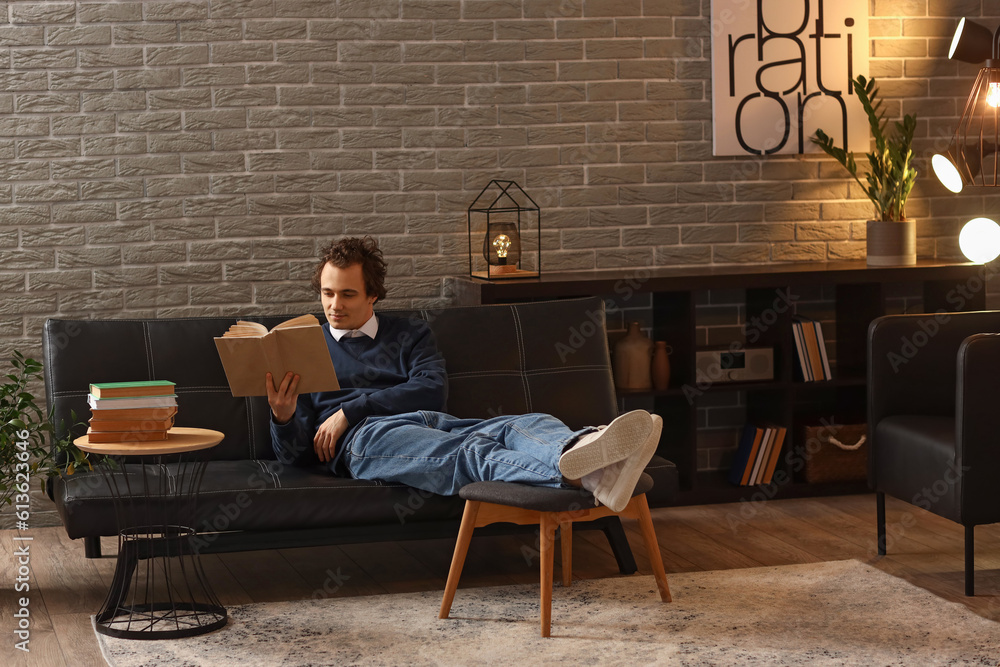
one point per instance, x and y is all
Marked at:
(439, 453)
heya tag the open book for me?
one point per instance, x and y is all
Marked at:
(249, 351)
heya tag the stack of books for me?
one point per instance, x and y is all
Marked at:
(810, 348)
(131, 411)
(757, 455)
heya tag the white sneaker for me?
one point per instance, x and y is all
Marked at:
(614, 490)
(592, 480)
(600, 449)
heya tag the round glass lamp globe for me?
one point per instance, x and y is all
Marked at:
(980, 240)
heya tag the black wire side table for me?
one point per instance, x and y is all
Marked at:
(159, 589)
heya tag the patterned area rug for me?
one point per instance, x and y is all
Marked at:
(838, 613)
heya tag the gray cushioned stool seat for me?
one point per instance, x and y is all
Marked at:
(551, 510)
(539, 498)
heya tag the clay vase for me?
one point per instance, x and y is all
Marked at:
(633, 356)
(661, 365)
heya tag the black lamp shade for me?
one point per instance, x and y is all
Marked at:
(972, 43)
(961, 165)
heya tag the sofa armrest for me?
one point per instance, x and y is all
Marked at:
(978, 456)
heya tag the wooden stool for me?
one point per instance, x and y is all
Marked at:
(503, 502)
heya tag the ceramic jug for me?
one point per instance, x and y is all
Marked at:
(633, 356)
(661, 365)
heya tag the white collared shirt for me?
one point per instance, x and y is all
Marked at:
(369, 328)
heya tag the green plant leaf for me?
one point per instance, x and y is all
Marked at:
(19, 411)
(890, 178)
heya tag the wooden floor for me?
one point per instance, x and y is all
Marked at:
(925, 550)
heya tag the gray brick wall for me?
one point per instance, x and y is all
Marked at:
(189, 157)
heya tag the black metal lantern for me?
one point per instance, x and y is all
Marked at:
(504, 233)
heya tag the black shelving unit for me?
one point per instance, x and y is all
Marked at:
(860, 295)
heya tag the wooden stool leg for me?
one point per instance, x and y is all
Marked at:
(652, 546)
(566, 542)
(547, 537)
(458, 559)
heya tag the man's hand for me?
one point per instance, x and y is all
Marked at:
(283, 398)
(327, 435)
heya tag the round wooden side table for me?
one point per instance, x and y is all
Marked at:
(155, 499)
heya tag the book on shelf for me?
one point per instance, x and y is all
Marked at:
(757, 455)
(131, 389)
(775, 454)
(127, 403)
(801, 354)
(827, 374)
(125, 436)
(746, 453)
(810, 349)
(765, 448)
(249, 351)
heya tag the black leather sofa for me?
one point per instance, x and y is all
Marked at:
(506, 359)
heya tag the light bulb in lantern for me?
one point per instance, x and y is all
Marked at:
(993, 94)
(502, 244)
(980, 240)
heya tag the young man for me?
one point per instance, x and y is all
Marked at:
(386, 421)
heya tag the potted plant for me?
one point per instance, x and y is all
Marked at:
(892, 238)
(23, 426)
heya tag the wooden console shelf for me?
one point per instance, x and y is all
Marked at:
(861, 295)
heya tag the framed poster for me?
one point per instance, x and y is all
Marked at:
(781, 69)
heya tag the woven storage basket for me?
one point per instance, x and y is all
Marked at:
(836, 453)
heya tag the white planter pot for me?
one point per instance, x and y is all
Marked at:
(892, 243)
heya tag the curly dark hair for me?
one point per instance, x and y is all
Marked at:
(353, 250)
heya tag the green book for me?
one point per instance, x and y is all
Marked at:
(131, 389)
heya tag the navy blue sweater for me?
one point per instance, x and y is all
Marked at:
(400, 371)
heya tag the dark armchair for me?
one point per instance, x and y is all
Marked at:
(933, 411)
